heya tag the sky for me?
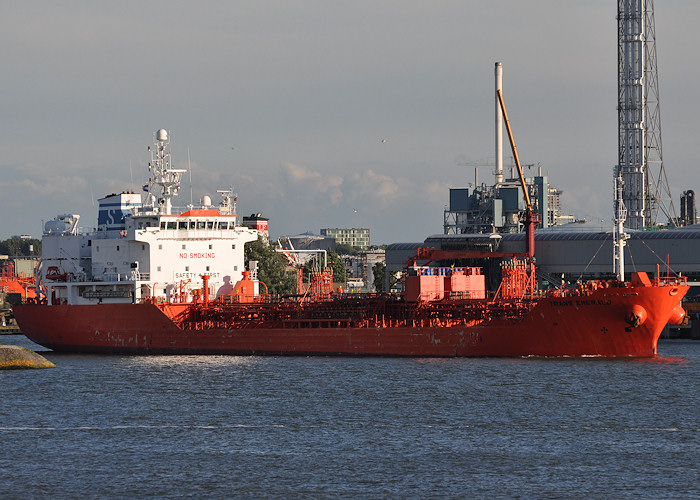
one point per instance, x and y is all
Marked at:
(324, 113)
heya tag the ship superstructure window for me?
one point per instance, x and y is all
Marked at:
(158, 268)
(182, 224)
(210, 225)
(183, 246)
(201, 224)
(233, 247)
(223, 225)
(187, 268)
(210, 247)
(172, 224)
(192, 224)
(160, 247)
(207, 268)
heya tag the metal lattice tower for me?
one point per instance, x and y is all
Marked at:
(640, 159)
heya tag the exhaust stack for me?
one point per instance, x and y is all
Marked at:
(499, 126)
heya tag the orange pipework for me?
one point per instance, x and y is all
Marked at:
(205, 286)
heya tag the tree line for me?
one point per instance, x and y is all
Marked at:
(20, 247)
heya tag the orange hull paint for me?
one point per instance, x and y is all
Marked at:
(592, 325)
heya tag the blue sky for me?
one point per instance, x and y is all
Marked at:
(289, 102)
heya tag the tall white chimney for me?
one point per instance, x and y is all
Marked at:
(499, 125)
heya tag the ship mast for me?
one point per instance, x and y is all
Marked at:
(619, 235)
(227, 208)
(165, 181)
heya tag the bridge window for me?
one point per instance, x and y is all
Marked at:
(182, 224)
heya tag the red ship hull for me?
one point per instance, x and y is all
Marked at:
(595, 324)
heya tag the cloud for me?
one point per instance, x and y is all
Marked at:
(314, 185)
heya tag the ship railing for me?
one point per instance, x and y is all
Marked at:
(578, 290)
(112, 277)
(672, 280)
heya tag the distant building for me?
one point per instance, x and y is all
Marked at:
(259, 223)
(357, 237)
(307, 241)
(687, 208)
(360, 267)
(497, 208)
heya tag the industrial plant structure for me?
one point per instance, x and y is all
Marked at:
(487, 218)
(482, 208)
(640, 157)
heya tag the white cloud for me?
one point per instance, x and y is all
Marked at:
(305, 90)
(303, 182)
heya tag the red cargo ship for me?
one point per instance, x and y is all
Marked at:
(603, 319)
(128, 288)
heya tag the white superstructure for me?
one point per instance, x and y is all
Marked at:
(141, 250)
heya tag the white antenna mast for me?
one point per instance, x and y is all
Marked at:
(227, 207)
(189, 167)
(619, 235)
(165, 178)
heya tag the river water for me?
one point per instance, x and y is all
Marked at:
(323, 427)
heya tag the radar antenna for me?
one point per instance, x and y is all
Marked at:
(165, 181)
(227, 206)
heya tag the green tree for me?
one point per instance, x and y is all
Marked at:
(346, 249)
(17, 247)
(338, 265)
(272, 267)
(378, 270)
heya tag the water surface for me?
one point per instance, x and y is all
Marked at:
(322, 427)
